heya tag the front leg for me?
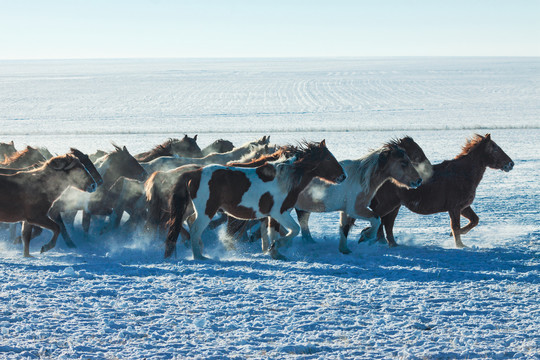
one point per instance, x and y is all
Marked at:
(468, 213)
(345, 223)
(365, 213)
(287, 222)
(26, 232)
(303, 219)
(455, 224)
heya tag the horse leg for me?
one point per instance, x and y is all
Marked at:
(67, 239)
(287, 221)
(303, 219)
(454, 221)
(36, 231)
(344, 228)
(13, 233)
(388, 223)
(468, 213)
(196, 231)
(265, 244)
(48, 223)
(86, 221)
(26, 233)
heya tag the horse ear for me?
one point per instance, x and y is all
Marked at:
(488, 136)
(323, 143)
(71, 165)
(195, 137)
(383, 158)
(185, 136)
(125, 148)
(11, 143)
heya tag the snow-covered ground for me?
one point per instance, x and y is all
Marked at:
(115, 297)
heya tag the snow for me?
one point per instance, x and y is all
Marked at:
(115, 297)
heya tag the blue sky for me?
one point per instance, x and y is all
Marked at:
(37, 29)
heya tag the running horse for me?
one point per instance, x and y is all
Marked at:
(28, 195)
(452, 189)
(247, 193)
(399, 160)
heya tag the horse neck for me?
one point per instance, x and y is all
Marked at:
(473, 163)
(51, 182)
(108, 173)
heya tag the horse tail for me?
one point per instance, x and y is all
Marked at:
(154, 201)
(178, 203)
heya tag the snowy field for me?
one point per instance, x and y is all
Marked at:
(114, 297)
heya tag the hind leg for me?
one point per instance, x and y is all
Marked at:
(454, 221)
(196, 231)
(48, 223)
(303, 219)
(469, 214)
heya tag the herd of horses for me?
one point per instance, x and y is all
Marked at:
(253, 188)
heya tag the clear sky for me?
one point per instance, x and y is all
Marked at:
(42, 29)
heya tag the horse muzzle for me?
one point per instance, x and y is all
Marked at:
(508, 167)
(415, 184)
(92, 187)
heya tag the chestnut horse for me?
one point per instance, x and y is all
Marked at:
(182, 147)
(452, 188)
(248, 193)
(28, 195)
(353, 196)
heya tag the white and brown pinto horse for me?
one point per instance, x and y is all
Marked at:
(248, 193)
(28, 195)
(353, 196)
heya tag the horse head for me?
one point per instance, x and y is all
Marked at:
(319, 161)
(395, 163)
(78, 175)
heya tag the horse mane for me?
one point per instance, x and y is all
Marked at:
(17, 155)
(286, 151)
(367, 165)
(471, 144)
(164, 149)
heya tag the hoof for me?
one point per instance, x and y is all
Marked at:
(461, 246)
(345, 251)
(392, 244)
(278, 256)
(43, 249)
(200, 257)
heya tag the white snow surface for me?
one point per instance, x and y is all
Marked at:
(115, 297)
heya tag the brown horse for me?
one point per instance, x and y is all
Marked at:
(452, 188)
(269, 190)
(21, 159)
(28, 195)
(183, 147)
(6, 150)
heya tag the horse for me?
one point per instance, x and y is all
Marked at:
(248, 193)
(353, 196)
(27, 157)
(452, 189)
(182, 147)
(165, 163)
(28, 195)
(6, 150)
(219, 146)
(96, 155)
(331, 198)
(111, 166)
(158, 187)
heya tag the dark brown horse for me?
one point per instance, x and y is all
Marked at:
(28, 195)
(269, 190)
(219, 146)
(186, 147)
(452, 188)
